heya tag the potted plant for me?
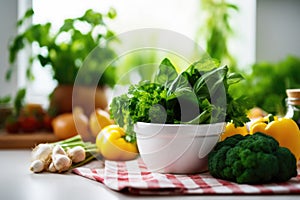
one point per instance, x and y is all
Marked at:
(65, 50)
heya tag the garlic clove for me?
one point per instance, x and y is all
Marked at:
(52, 168)
(37, 166)
(57, 149)
(41, 152)
(77, 154)
(61, 162)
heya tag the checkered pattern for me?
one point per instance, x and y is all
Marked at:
(133, 177)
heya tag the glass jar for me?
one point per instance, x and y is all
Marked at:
(293, 105)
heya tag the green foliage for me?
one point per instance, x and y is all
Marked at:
(252, 159)
(5, 99)
(198, 95)
(166, 73)
(19, 100)
(66, 49)
(216, 28)
(266, 83)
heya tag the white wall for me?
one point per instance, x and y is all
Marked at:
(278, 29)
(8, 18)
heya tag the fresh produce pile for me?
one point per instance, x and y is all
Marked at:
(265, 151)
(198, 95)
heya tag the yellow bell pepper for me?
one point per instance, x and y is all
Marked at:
(263, 121)
(231, 130)
(284, 130)
(112, 145)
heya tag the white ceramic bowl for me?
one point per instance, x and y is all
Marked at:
(176, 148)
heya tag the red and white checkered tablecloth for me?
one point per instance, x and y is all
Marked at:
(133, 177)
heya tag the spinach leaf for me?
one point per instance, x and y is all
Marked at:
(211, 82)
(204, 64)
(233, 78)
(179, 85)
(166, 73)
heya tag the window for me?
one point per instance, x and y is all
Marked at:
(176, 15)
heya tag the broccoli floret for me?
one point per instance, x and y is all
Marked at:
(285, 169)
(252, 159)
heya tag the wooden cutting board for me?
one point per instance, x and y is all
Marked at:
(24, 140)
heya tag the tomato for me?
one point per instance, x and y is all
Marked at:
(29, 123)
(47, 122)
(12, 124)
(31, 117)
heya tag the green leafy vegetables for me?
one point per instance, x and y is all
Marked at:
(198, 95)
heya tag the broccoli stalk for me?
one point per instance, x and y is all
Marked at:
(252, 159)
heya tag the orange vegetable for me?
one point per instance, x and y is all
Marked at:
(64, 126)
(256, 113)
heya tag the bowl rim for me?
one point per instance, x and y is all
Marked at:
(179, 125)
(199, 128)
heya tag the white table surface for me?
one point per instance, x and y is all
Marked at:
(17, 182)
